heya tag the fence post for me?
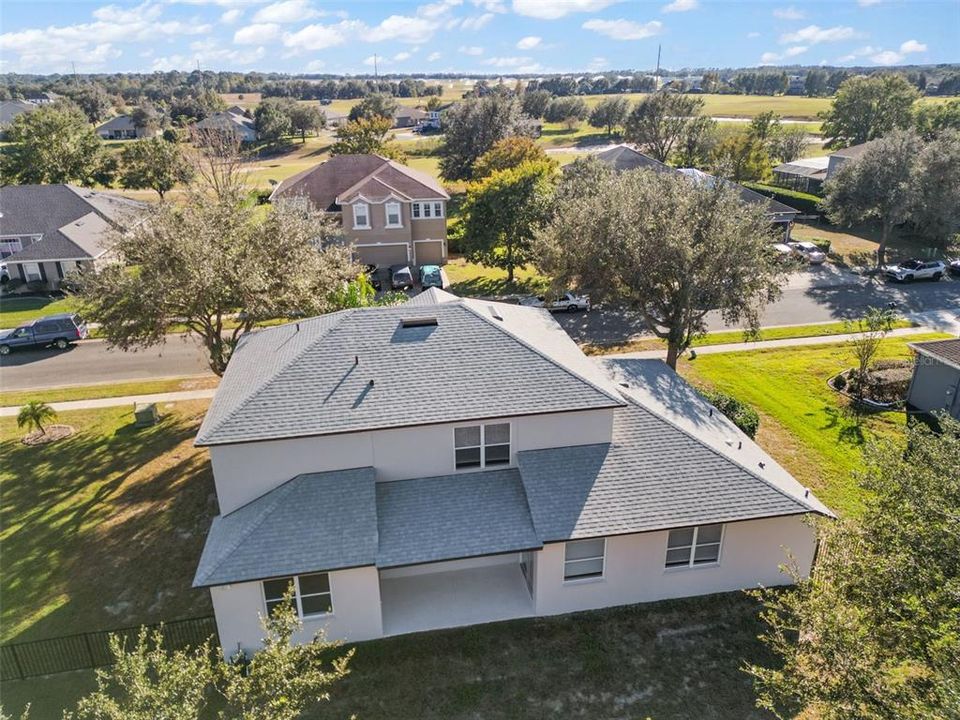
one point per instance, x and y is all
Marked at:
(16, 661)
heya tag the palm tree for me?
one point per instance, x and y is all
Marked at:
(34, 414)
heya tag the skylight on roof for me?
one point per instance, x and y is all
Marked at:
(418, 322)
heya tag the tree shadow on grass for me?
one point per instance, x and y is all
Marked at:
(104, 530)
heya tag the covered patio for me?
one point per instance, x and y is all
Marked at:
(452, 598)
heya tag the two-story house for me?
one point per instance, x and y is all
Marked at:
(454, 461)
(49, 231)
(391, 213)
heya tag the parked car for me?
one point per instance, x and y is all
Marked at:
(808, 251)
(910, 270)
(430, 276)
(954, 267)
(782, 252)
(373, 275)
(58, 330)
(567, 302)
(400, 277)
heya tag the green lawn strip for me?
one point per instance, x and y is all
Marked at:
(103, 529)
(724, 337)
(804, 424)
(106, 390)
(16, 311)
(668, 660)
(472, 280)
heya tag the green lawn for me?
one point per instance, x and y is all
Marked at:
(475, 280)
(106, 390)
(735, 336)
(16, 311)
(103, 529)
(671, 660)
(804, 424)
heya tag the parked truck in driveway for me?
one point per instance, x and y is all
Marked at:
(57, 330)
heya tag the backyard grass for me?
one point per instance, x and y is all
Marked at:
(107, 390)
(475, 280)
(103, 529)
(804, 424)
(16, 311)
(670, 660)
(734, 336)
(856, 247)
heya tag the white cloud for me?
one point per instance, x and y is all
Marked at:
(789, 13)
(321, 37)
(753, 34)
(680, 6)
(529, 42)
(231, 16)
(769, 57)
(868, 3)
(471, 50)
(553, 9)
(116, 14)
(624, 29)
(286, 11)
(795, 50)
(597, 64)
(858, 53)
(438, 9)
(315, 66)
(508, 62)
(256, 34)
(374, 60)
(912, 46)
(207, 53)
(401, 56)
(403, 28)
(495, 6)
(433, 57)
(477, 22)
(814, 34)
(887, 57)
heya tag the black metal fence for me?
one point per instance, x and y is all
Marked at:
(92, 649)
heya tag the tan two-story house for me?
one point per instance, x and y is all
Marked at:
(391, 213)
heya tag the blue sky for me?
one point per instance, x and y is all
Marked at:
(470, 36)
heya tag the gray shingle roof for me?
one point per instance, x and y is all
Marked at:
(470, 365)
(65, 216)
(451, 517)
(624, 157)
(947, 351)
(321, 521)
(774, 207)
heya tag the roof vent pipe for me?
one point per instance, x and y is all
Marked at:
(740, 445)
(371, 382)
(356, 359)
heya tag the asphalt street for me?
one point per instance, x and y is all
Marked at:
(807, 299)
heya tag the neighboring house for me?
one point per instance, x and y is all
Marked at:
(406, 117)
(48, 231)
(122, 127)
(841, 157)
(40, 98)
(9, 110)
(936, 377)
(452, 461)
(391, 213)
(234, 123)
(237, 110)
(624, 157)
(334, 118)
(804, 174)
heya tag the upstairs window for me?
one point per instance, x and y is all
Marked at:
(361, 216)
(426, 210)
(693, 546)
(584, 559)
(482, 445)
(394, 219)
(311, 594)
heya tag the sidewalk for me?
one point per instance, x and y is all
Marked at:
(93, 404)
(763, 344)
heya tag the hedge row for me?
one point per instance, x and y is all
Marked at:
(739, 413)
(804, 202)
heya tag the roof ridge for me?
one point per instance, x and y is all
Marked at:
(640, 404)
(259, 388)
(279, 493)
(500, 326)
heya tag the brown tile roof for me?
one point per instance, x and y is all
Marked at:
(345, 175)
(947, 351)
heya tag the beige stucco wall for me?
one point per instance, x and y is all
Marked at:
(430, 228)
(751, 555)
(245, 471)
(378, 231)
(356, 611)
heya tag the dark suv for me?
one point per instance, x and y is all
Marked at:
(58, 330)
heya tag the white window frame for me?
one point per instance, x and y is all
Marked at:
(366, 214)
(10, 245)
(483, 446)
(585, 578)
(690, 564)
(297, 597)
(26, 272)
(386, 215)
(427, 210)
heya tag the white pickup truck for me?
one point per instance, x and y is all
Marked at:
(567, 302)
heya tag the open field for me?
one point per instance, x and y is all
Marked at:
(103, 529)
(855, 246)
(804, 424)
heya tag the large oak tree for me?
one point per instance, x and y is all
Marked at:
(670, 247)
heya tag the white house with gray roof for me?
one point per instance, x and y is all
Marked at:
(453, 461)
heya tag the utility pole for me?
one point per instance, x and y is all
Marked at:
(76, 82)
(657, 73)
(375, 76)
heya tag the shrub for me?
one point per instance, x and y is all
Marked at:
(804, 202)
(740, 414)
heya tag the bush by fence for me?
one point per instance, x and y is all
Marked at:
(92, 649)
(804, 202)
(740, 414)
